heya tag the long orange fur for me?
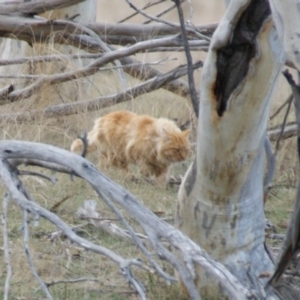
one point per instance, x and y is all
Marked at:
(125, 138)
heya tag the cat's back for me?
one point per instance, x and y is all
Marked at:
(115, 124)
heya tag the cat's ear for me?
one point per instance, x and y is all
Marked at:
(186, 133)
(166, 136)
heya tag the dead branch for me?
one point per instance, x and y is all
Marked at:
(46, 58)
(290, 246)
(287, 101)
(42, 164)
(5, 91)
(12, 183)
(171, 7)
(283, 124)
(193, 93)
(289, 131)
(131, 66)
(271, 166)
(91, 69)
(31, 173)
(155, 228)
(103, 46)
(34, 7)
(88, 211)
(152, 18)
(82, 279)
(144, 72)
(6, 248)
(145, 7)
(29, 257)
(188, 28)
(92, 105)
(32, 30)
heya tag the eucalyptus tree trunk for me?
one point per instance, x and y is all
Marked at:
(221, 198)
(12, 48)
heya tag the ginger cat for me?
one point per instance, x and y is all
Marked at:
(125, 138)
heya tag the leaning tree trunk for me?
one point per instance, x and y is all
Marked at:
(221, 198)
(12, 48)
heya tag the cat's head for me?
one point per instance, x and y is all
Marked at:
(175, 146)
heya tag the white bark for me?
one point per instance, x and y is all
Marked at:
(286, 16)
(221, 198)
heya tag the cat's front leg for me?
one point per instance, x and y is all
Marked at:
(162, 177)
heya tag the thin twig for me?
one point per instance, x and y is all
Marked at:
(82, 279)
(163, 12)
(7, 90)
(194, 97)
(283, 125)
(46, 58)
(29, 258)
(271, 166)
(88, 211)
(32, 173)
(101, 43)
(34, 7)
(140, 11)
(6, 248)
(138, 64)
(287, 101)
(145, 7)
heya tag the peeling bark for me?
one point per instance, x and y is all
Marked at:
(221, 198)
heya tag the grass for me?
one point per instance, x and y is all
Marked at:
(60, 259)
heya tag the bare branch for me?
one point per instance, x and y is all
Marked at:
(271, 166)
(11, 182)
(145, 7)
(42, 164)
(194, 96)
(289, 131)
(92, 105)
(287, 101)
(46, 58)
(103, 46)
(283, 124)
(188, 28)
(29, 257)
(82, 279)
(140, 11)
(5, 91)
(31, 30)
(163, 12)
(91, 69)
(34, 7)
(31, 173)
(155, 228)
(290, 246)
(88, 211)
(6, 248)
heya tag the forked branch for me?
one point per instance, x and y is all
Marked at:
(156, 229)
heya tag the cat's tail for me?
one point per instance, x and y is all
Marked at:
(77, 145)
